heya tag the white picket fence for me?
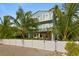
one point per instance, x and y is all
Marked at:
(39, 44)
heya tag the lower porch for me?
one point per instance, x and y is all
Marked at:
(47, 35)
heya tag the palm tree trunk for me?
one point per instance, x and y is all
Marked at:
(65, 37)
(66, 31)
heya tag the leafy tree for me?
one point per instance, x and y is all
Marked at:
(5, 28)
(66, 23)
(24, 22)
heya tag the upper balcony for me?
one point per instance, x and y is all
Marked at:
(44, 15)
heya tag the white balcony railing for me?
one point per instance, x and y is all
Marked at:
(44, 29)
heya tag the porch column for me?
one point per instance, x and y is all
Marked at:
(52, 37)
(38, 35)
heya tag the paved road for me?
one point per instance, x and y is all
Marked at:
(8, 50)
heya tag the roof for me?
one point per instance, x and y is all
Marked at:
(43, 11)
(51, 9)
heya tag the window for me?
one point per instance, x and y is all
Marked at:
(40, 35)
(34, 35)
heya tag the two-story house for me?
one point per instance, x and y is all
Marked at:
(45, 19)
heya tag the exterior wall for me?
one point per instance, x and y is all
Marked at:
(39, 44)
(45, 26)
(44, 16)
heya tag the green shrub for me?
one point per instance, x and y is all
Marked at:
(72, 49)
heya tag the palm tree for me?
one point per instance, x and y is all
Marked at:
(5, 28)
(66, 23)
(24, 22)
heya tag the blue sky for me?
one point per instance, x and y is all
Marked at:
(11, 8)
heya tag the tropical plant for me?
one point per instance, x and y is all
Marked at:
(72, 49)
(5, 28)
(66, 22)
(24, 22)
